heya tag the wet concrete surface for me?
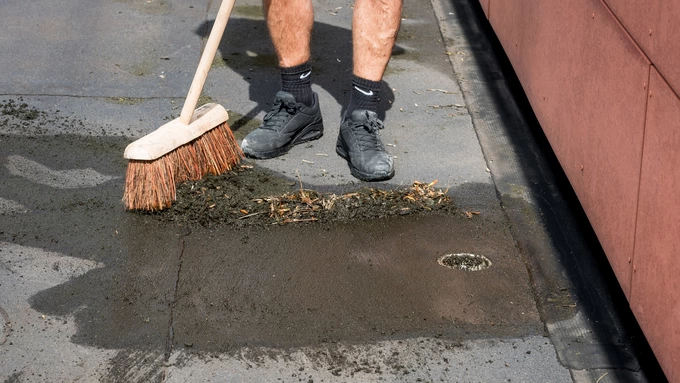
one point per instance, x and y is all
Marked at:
(136, 280)
(339, 281)
(363, 281)
(155, 290)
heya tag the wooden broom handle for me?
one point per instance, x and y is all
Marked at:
(206, 61)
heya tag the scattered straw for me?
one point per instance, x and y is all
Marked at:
(306, 205)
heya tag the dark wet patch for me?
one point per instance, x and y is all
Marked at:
(135, 367)
(126, 302)
(249, 196)
(353, 280)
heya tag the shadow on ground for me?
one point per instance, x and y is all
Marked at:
(247, 50)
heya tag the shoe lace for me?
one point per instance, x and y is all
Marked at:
(367, 134)
(279, 113)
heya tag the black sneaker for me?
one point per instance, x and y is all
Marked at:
(359, 143)
(287, 123)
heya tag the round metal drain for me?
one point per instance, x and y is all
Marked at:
(465, 261)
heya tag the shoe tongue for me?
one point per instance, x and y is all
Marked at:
(285, 97)
(362, 115)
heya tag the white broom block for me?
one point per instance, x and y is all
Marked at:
(175, 133)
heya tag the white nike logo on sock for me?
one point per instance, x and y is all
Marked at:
(305, 75)
(369, 93)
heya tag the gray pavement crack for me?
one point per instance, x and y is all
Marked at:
(171, 335)
(207, 26)
(6, 329)
(88, 96)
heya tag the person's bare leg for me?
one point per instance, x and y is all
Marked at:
(290, 27)
(295, 116)
(375, 24)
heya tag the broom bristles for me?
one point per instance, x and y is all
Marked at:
(186, 160)
(215, 152)
(151, 185)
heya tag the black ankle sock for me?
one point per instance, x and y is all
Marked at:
(298, 81)
(365, 95)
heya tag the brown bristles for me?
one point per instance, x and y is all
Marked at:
(187, 164)
(151, 185)
(217, 151)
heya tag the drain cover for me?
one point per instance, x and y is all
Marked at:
(465, 261)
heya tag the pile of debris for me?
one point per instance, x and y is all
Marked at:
(247, 196)
(309, 205)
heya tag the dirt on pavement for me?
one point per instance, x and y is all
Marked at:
(250, 195)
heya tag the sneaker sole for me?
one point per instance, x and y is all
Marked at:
(358, 173)
(311, 132)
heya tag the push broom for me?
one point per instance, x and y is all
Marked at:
(197, 143)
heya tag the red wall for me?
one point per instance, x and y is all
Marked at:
(605, 91)
(655, 26)
(655, 291)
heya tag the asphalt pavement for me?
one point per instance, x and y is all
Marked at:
(90, 292)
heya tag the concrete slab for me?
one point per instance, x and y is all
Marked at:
(121, 315)
(9, 207)
(33, 344)
(114, 304)
(410, 360)
(119, 48)
(358, 282)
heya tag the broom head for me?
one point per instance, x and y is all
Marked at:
(178, 152)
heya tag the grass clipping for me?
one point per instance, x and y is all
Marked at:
(245, 197)
(307, 205)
